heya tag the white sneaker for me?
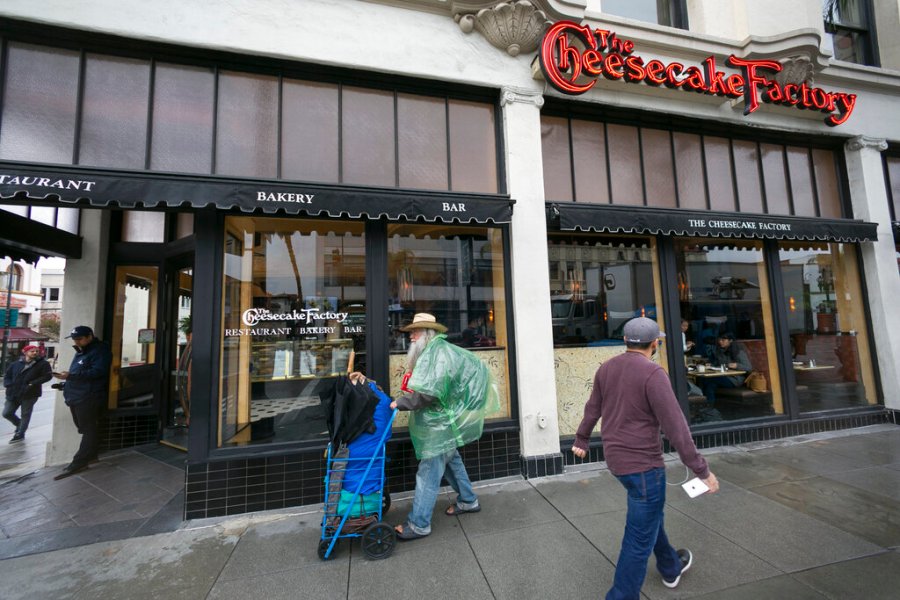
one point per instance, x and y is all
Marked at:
(687, 559)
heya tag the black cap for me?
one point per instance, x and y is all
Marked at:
(726, 335)
(81, 331)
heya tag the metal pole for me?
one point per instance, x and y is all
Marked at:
(6, 315)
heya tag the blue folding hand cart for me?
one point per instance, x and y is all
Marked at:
(378, 538)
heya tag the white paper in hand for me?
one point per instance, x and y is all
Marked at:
(695, 487)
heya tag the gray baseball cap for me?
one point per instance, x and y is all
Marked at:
(642, 331)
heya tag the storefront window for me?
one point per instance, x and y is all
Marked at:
(829, 340)
(729, 337)
(293, 315)
(597, 284)
(135, 377)
(456, 274)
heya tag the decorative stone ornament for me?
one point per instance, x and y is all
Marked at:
(796, 69)
(515, 26)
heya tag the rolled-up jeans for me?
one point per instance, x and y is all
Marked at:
(644, 533)
(428, 483)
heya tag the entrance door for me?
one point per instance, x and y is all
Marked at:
(176, 404)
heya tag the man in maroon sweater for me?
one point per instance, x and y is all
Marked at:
(634, 397)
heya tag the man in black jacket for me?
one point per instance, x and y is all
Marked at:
(85, 391)
(23, 380)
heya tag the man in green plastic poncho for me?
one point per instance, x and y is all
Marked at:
(449, 390)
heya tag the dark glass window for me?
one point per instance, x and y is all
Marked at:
(40, 97)
(849, 25)
(310, 131)
(456, 274)
(182, 119)
(247, 129)
(727, 327)
(114, 112)
(367, 137)
(422, 142)
(827, 322)
(473, 147)
(662, 12)
(203, 119)
(293, 315)
(586, 161)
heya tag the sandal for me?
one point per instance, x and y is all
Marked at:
(456, 509)
(405, 532)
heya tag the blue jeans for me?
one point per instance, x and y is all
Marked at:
(644, 533)
(9, 413)
(713, 383)
(428, 483)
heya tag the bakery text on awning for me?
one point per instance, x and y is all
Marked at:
(127, 189)
(679, 222)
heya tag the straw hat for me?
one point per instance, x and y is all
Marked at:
(424, 321)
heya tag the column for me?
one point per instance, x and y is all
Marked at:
(531, 283)
(868, 196)
(85, 287)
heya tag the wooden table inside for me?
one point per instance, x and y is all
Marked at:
(715, 373)
(815, 368)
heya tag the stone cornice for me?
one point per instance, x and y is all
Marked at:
(508, 95)
(861, 142)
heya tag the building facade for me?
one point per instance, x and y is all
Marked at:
(253, 197)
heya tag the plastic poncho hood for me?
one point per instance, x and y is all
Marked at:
(464, 392)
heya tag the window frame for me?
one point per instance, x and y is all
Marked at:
(867, 30)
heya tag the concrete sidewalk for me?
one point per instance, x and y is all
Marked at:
(803, 518)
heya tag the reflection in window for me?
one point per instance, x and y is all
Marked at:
(11, 278)
(662, 12)
(456, 274)
(727, 321)
(597, 284)
(293, 315)
(829, 340)
(134, 375)
(848, 25)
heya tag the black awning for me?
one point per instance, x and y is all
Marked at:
(126, 189)
(25, 239)
(678, 222)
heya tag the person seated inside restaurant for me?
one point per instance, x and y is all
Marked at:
(733, 356)
(687, 341)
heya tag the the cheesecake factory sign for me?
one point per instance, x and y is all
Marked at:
(574, 56)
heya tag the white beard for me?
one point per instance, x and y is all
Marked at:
(415, 350)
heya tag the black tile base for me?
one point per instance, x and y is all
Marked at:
(126, 431)
(251, 484)
(541, 466)
(756, 433)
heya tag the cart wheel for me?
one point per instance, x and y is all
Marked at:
(378, 541)
(323, 548)
(385, 502)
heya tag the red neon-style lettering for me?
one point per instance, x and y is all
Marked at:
(611, 65)
(634, 69)
(654, 68)
(673, 72)
(555, 43)
(752, 80)
(592, 61)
